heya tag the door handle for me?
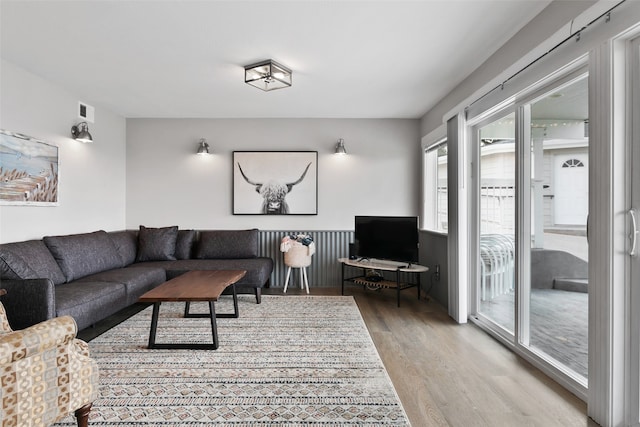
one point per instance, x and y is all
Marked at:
(634, 233)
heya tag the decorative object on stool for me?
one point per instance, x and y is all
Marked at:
(297, 249)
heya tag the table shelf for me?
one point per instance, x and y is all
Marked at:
(398, 268)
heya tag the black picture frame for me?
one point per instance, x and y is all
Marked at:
(275, 182)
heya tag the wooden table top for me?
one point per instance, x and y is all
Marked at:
(194, 285)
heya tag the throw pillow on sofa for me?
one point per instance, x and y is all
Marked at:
(184, 243)
(157, 244)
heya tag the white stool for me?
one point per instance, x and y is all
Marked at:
(297, 257)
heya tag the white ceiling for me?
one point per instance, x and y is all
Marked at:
(350, 59)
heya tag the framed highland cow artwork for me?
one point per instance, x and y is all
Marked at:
(275, 182)
(28, 171)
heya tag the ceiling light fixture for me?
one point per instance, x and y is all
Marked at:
(267, 75)
(340, 147)
(80, 132)
(203, 148)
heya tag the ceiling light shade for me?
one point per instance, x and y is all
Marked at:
(340, 147)
(80, 132)
(267, 75)
(203, 148)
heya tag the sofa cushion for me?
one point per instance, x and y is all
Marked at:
(258, 269)
(79, 255)
(157, 244)
(137, 280)
(29, 260)
(14, 267)
(228, 244)
(184, 244)
(89, 302)
(126, 243)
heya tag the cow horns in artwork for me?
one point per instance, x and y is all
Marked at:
(274, 193)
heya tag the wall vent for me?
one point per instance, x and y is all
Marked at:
(86, 112)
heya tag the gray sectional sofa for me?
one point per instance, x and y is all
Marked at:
(91, 276)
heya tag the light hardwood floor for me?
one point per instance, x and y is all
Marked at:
(445, 374)
(448, 374)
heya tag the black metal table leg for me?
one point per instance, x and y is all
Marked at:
(398, 285)
(154, 324)
(214, 326)
(342, 278)
(193, 346)
(236, 312)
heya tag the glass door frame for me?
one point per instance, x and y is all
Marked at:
(473, 131)
(524, 220)
(633, 269)
(520, 104)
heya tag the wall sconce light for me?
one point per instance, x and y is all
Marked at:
(80, 132)
(340, 147)
(267, 75)
(203, 148)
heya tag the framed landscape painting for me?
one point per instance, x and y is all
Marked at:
(275, 182)
(28, 171)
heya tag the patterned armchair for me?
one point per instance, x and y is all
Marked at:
(45, 373)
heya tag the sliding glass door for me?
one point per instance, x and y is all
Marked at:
(531, 195)
(558, 184)
(495, 293)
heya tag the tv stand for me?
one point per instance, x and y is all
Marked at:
(384, 265)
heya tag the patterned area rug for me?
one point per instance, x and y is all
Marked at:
(290, 361)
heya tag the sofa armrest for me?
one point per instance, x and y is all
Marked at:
(36, 339)
(29, 301)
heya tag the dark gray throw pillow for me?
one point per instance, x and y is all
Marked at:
(157, 244)
(184, 243)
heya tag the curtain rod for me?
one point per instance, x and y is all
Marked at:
(572, 34)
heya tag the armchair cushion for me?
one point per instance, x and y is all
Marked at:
(67, 378)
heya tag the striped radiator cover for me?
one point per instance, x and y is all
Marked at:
(324, 271)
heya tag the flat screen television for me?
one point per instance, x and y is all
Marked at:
(392, 238)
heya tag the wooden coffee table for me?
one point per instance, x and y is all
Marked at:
(189, 287)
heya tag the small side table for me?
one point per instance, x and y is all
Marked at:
(398, 267)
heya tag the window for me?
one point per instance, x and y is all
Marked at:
(435, 187)
(573, 163)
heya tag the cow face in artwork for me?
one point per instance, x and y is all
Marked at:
(274, 193)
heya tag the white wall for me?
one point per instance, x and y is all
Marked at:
(168, 184)
(92, 176)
